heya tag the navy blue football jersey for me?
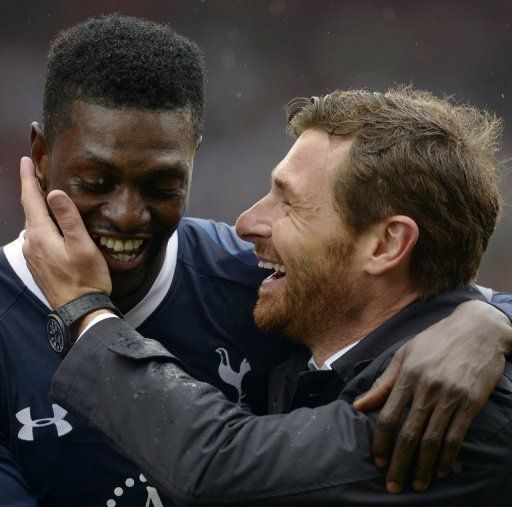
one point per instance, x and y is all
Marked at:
(47, 458)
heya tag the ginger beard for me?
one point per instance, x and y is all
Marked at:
(319, 291)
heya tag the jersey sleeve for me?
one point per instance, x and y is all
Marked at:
(15, 492)
(226, 237)
(503, 302)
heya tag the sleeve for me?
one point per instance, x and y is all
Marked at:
(13, 487)
(97, 319)
(226, 237)
(14, 490)
(502, 301)
(200, 448)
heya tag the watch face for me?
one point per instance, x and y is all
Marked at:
(55, 336)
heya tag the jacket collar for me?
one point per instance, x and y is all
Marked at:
(407, 323)
(293, 385)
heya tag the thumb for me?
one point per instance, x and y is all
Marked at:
(377, 395)
(67, 216)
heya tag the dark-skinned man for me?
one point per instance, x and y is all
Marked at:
(375, 283)
(122, 117)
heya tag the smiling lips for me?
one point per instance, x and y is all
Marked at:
(121, 250)
(279, 269)
(272, 265)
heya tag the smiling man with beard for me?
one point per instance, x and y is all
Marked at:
(385, 203)
(316, 280)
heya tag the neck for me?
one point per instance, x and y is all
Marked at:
(374, 312)
(126, 302)
(128, 299)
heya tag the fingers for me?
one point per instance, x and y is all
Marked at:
(379, 392)
(453, 441)
(406, 445)
(32, 201)
(430, 446)
(388, 422)
(430, 442)
(69, 219)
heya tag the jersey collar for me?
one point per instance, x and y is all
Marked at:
(139, 313)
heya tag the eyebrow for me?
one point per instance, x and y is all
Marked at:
(283, 185)
(174, 167)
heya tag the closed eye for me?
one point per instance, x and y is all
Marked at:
(99, 185)
(166, 193)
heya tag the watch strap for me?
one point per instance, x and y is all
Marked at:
(82, 306)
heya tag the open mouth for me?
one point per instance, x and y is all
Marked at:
(122, 254)
(279, 270)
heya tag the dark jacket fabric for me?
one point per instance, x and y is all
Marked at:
(199, 448)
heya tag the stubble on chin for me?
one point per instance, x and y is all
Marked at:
(270, 313)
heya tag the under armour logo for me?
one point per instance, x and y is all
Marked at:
(228, 375)
(27, 431)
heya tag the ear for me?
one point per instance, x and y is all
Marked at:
(392, 244)
(40, 154)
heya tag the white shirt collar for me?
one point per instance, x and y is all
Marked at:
(328, 362)
(139, 313)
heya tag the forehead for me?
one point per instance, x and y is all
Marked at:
(309, 167)
(127, 133)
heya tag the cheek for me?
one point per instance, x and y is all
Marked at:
(85, 203)
(167, 214)
(292, 237)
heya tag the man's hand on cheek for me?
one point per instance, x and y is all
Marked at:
(445, 376)
(64, 266)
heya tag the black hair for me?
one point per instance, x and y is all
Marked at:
(118, 61)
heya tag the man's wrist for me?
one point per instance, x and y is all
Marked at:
(506, 335)
(58, 299)
(489, 315)
(65, 322)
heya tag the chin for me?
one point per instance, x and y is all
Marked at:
(270, 313)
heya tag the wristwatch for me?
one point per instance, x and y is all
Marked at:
(61, 326)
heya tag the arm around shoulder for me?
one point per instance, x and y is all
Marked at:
(198, 447)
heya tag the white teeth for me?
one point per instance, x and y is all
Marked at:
(123, 257)
(272, 265)
(120, 246)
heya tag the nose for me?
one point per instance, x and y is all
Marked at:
(255, 223)
(127, 210)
